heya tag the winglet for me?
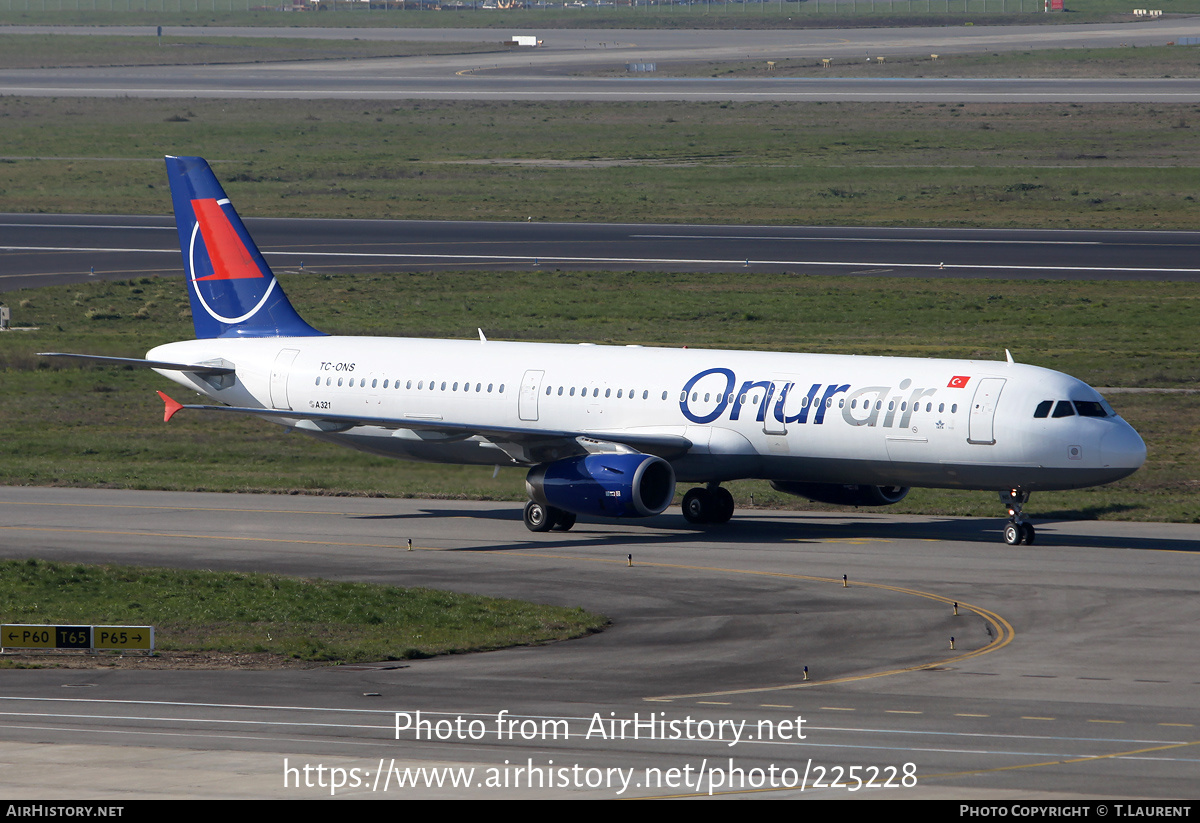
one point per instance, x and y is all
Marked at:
(172, 407)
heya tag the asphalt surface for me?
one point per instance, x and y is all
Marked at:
(1073, 673)
(39, 250)
(551, 72)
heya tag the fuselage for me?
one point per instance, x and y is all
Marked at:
(776, 416)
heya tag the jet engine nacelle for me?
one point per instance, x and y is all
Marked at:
(608, 485)
(843, 495)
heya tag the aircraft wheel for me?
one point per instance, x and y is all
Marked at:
(724, 505)
(698, 506)
(1013, 534)
(538, 518)
(563, 521)
(1028, 533)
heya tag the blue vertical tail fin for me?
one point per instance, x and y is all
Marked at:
(232, 289)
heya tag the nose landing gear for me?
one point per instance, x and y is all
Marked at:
(1019, 530)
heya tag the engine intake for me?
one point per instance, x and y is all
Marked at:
(607, 485)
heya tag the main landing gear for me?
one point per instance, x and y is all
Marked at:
(539, 518)
(1019, 530)
(708, 505)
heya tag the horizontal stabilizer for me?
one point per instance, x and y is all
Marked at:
(190, 368)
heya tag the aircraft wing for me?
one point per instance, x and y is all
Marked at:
(204, 369)
(523, 445)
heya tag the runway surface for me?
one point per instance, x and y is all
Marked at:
(38, 250)
(552, 72)
(1073, 673)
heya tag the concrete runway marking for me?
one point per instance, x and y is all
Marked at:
(262, 539)
(543, 260)
(127, 226)
(215, 509)
(942, 242)
(86, 248)
(343, 260)
(1087, 759)
(924, 778)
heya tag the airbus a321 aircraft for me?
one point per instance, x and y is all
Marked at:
(609, 431)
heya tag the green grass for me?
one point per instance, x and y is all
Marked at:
(101, 426)
(998, 165)
(310, 620)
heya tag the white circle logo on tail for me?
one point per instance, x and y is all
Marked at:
(196, 286)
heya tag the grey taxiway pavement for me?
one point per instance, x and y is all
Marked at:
(553, 71)
(38, 250)
(1073, 673)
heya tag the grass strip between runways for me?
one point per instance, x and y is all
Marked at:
(292, 618)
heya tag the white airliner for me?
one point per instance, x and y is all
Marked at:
(608, 431)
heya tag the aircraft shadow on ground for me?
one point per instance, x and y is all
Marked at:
(798, 530)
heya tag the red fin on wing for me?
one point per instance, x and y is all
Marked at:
(171, 408)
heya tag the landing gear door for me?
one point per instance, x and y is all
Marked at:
(527, 403)
(279, 378)
(983, 411)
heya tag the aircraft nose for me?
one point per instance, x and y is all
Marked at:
(1123, 448)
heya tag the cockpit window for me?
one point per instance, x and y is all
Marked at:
(1064, 409)
(1043, 408)
(1090, 408)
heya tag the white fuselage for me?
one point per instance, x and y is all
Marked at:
(777, 416)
